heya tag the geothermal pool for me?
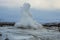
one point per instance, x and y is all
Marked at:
(28, 34)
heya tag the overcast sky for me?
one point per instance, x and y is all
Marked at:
(45, 4)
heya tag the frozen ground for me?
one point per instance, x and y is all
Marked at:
(29, 34)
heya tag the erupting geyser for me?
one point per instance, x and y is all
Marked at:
(26, 20)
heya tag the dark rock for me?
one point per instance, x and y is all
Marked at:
(7, 24)
(6, 39)
(0, 34)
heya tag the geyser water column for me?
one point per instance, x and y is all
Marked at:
(26, 20)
